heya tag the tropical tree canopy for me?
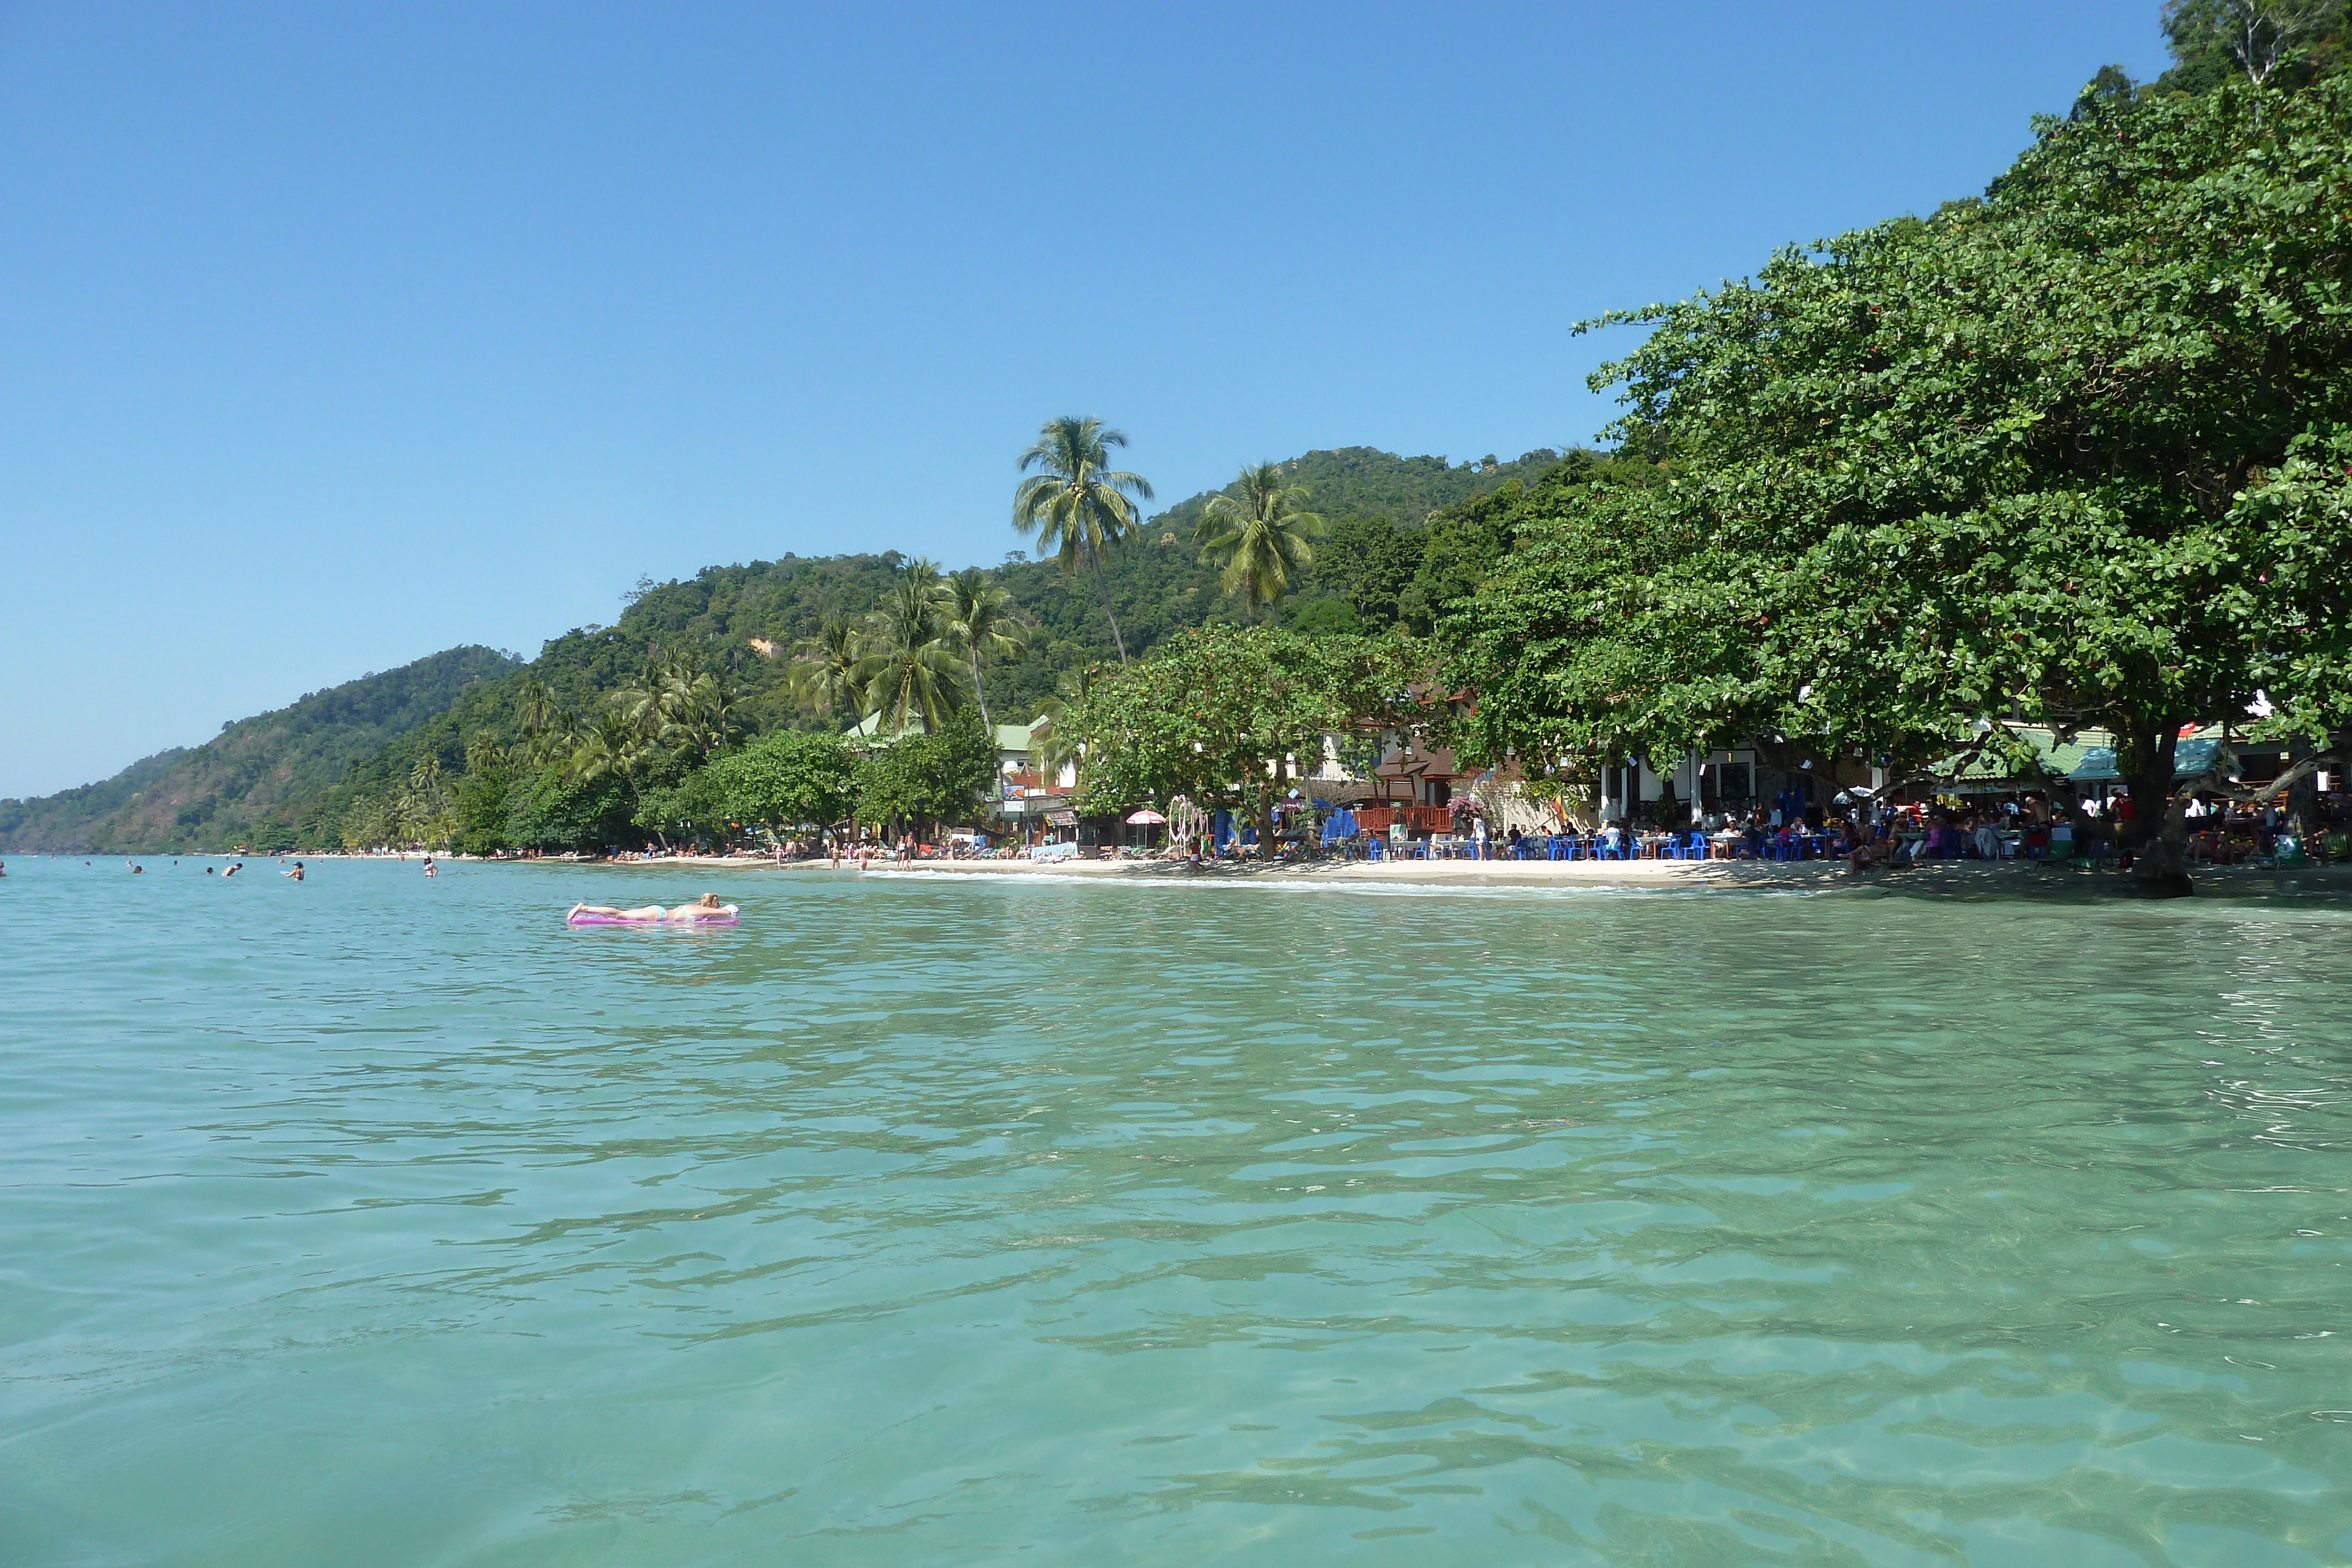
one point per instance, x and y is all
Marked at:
(941, 776)
(824, 667)
(1258, 534)
(2075, 452)
(1080, 508)
(978, 616)
(1233, 716)
(784, 779)
(911, 669)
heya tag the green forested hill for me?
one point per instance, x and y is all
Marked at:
(1409, 534)
(249, 780)
(287, 779)
(63, 820)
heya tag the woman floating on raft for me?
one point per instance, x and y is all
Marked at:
(704, 911)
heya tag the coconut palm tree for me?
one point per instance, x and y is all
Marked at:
(824, 667)
(610, 748)
(484, 754)
(425, 784)
(978, 615)
(1262, 537)
(911, 669)
(1052, 746)
(546, 724)
(701, 719)
(1077, 504)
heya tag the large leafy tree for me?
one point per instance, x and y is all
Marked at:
(2262, 42)
(1080, 508)
(939, 776)
(1233, 716)
(784, 779)
(2075, 452)
(1259, 535)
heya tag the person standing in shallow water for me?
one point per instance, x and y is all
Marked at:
(295, 873)
(430, 869)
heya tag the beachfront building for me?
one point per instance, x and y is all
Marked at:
(1031, 805)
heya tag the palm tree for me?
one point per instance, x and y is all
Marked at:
(484, 754)
(425, 784)
(1077, 504)
(543, 719)
(646, 706)
(824, 667)
(910, 669)
(700, 721)
(1051, 745)
(978, 614)
(1261, 538)
(609, 749)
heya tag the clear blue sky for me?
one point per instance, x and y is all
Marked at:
(333, 335)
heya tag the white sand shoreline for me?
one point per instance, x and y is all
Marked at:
(1669, 873)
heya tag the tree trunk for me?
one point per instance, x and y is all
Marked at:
(2159, 836)
(1263, 818)
(1104, 588)
(2303, 797)
(980, 690)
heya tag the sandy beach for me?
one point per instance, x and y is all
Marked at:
(1670, 873)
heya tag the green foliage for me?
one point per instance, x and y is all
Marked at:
(1259, 535)
(483, 808)
(978, 616)
(1233, 716)
(1081, 509)
(1322, 618)
(785, 780)
(291, 778)
(942, 776)
(910, 667)
(555, 810)
(2257, 43)
(692, 807)
(2077, 453)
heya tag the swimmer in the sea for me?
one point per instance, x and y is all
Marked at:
(295, 873)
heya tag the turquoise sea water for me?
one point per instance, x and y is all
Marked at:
(380, 1221)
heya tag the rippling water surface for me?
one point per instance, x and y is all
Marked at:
(376, 1220)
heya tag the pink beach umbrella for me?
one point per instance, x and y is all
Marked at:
(1147, 815)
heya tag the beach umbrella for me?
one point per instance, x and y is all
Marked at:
(1147, 815)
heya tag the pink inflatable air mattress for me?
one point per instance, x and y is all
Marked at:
(725, 917)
